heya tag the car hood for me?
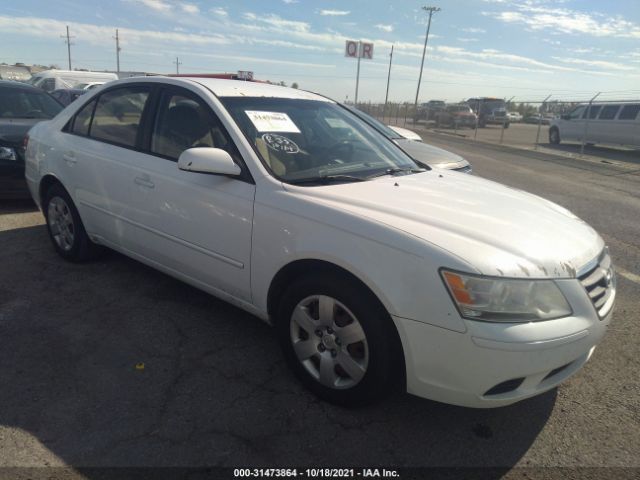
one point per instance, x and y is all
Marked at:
(408, 134)
(432, 156)
(13, 130)
(498, 230)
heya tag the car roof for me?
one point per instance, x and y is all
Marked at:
(238, 88)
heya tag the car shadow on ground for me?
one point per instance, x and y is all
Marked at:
(112, 364)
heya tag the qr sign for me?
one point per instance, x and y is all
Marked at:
(355, 49)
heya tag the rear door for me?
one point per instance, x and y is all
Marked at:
(98, 153)
(627, 123)
(604, 128)
(198, 225)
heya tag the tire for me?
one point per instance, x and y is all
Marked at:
(349, 374)
(65, 227)
(506, 125)
(554, 136)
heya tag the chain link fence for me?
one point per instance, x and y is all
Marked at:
(523, 123)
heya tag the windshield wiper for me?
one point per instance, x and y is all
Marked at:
(325, 179)
(396, 170)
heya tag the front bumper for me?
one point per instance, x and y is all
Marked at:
(497, 364)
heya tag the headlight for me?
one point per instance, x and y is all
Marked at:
(505, 300)
(7, 153)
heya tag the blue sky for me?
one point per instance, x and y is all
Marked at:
(522, 48)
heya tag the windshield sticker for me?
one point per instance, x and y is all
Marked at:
(280, 143)
(336, 123)
(272, 122)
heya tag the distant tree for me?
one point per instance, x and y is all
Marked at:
(282, 84)
(294, 85)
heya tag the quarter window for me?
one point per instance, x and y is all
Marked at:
(117, 115)
(629, 112)
(83, 120)
(609, 112)
(184, 121)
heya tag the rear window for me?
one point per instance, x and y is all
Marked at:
(629, 112)
(18, 103)
(609, 112)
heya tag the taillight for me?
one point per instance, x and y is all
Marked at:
(25, 141)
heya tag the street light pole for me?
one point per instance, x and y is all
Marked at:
(431, 11)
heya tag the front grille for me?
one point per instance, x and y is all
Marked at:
(599, 281)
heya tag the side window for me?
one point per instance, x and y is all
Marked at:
(609, 112)
(577, 113)
(629, 112)
(184, 121)
(593, 111)
(117, 115)
(82, 120)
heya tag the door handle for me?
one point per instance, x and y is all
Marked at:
(69, 157)
(144, 182)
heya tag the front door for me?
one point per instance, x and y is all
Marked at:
(198, 225)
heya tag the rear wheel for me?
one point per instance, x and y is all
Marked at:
(338, 340)
(65, 227)
(554, 136)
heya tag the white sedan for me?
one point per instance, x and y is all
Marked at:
(376, 273)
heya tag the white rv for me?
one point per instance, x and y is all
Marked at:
(50, 80)
(616, 123)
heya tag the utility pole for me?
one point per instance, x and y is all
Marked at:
(68, 42)
(117, 38)
(386, 97)
(431, 11)
(178, 63)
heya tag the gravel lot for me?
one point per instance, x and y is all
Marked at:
(213, 388)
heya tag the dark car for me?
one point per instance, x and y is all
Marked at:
(21, 107)
(67, 95)
(428, 111)
(489, 110)
(459, 115)
(421, 152)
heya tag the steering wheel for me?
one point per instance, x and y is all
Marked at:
(342, 149)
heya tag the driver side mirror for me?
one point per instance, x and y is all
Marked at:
(208, 160)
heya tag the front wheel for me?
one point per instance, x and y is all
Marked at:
(554, 136)
(338, 340)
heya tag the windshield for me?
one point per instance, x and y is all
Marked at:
(374, 122)
(300, 140)
(17, 103)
